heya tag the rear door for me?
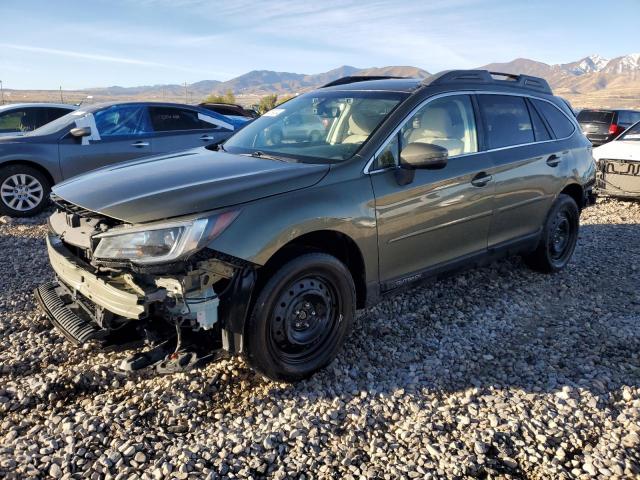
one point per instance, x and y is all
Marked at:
(526, 160)
(123, 134)
(181, 128)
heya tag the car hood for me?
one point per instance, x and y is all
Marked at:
(182, 183)
(618, 149)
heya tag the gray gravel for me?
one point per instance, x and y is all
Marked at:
(496, 373)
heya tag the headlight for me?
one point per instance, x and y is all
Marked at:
(162, 242)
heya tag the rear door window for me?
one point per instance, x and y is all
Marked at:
(507, 120)
(170, 119)
(53, 113)
(595, 116)
(562, 127)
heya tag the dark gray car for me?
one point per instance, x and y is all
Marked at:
(95, 136)
(267, 247)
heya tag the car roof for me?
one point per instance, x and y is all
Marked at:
(407, 85)
(92, 107)
(11, 106)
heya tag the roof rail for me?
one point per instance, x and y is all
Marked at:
(357, 78)
(486, 77)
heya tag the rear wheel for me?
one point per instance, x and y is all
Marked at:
(301, 317)
(559, 237)
(24, 191)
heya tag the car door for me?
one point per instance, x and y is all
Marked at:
(181, 128)
(122, 133)
(442, 215)
(525, 157)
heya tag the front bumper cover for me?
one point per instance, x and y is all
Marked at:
(81, 280)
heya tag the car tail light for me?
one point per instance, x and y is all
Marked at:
(615, 129)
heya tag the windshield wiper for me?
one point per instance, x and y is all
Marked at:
(261, 154)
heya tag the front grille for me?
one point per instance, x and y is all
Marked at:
(69, 207)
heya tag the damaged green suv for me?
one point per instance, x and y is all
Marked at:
(267, 245)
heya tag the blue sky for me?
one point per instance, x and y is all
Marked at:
(45, 44)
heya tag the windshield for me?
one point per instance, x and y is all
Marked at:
(595, 116)
(632, 133)
(58, 124)
(319, 126)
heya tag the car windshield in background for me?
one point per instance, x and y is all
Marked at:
(595, 116)
(56, 125)
(321, 126)
(632, 133)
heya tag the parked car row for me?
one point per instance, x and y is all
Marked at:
(265, 245)
(91, 137)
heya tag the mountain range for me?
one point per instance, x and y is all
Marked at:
(591, 81)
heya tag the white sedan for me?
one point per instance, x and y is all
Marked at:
(619, 165)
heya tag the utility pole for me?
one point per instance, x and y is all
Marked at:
(1, 92)
(61, 99)
(185, 92)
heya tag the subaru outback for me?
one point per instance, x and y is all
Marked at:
(266, 246)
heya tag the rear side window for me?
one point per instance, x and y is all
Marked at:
(168, 119)
(562, 127)
(506, 119)
(53, 113)
(539, 128)
(595, 116)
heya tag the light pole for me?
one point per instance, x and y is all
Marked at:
(1, 92)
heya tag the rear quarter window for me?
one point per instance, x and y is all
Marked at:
(507, 120)
(561, 126)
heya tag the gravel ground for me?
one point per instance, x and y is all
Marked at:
(495, 373)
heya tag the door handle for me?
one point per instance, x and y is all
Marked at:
(206, 138)
(140, 144)
(553, 160)
(481, 179)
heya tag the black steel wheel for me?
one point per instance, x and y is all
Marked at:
(559, 237)
(301, 317)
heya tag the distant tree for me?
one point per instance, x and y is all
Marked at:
(267, 103)
(284, 99)
(228, 97)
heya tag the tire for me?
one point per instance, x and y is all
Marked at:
(24, 191)
(301, 318)
(559, 237)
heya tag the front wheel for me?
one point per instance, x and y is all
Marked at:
(301, 318)
(24, 191)
(559, 237)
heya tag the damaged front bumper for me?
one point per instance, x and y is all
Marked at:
(87, 302)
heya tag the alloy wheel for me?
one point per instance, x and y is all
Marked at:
(21, 192)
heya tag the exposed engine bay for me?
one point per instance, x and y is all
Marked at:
(181, 309)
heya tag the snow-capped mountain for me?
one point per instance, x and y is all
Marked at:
(621, 65)
(590, 64)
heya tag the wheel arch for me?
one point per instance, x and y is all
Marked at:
(332, 242)
(30, 164)
(575, 191)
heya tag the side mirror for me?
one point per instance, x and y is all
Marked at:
(418, 155)
(424, 155)
(80, 132)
